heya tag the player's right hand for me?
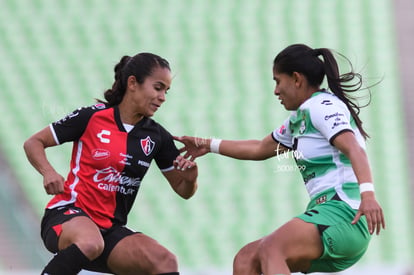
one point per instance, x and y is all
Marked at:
(53, 183)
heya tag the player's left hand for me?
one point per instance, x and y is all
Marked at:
(183, 164)
(371, 209)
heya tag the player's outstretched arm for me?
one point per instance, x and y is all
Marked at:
(239, 149)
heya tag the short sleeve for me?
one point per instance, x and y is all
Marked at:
(167, 153)
(283, 135)
(72, 126)
(331, 118)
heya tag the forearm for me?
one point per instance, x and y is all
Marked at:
(35, 152)
(183, 178)
(242, 149)
(360, 165)
(186, 189)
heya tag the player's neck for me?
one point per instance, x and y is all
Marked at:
(128, 116)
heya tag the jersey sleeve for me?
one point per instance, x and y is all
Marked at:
(283, 135)
(331, 118)
(72, 126)
(168, 152)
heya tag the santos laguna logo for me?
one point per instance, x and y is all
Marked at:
(111, 180)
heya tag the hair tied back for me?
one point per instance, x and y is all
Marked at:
(316, 52)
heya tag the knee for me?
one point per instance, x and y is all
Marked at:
(240, 263)
(91, 248)
(270, 248)
(165, 261)
(246, 259)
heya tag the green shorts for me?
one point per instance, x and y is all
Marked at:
(344, 243)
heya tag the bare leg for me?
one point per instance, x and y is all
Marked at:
(139, 254)
(79, 242)
(246, 261)
(83, 232)
(291, 248)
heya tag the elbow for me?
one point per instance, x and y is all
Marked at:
(188, 195)
(27, 145)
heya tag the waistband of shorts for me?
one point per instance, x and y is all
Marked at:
(327, 195)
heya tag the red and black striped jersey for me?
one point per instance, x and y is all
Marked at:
(108, 163)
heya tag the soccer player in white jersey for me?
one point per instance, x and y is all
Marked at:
(328, 141)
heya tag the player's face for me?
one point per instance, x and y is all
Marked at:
(152, 93)
(287, 91)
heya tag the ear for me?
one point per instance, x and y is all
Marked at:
(298, 78)
(131, 82)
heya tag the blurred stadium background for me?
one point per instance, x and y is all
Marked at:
(56, 56)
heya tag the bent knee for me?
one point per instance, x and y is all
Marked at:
(297, 258)
(240, 262)
(165, 261)
(271, 248)
(92, 249)
(247, 258)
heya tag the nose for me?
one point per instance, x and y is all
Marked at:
(162, 96)
(276, 91)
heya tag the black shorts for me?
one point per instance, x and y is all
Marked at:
(51, 227)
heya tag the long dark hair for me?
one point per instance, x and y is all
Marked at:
(303, 59)
(140, 66)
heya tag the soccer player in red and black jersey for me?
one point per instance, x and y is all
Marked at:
(114, 143)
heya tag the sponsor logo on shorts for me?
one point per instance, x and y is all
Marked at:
(321, 199)
(71, 212)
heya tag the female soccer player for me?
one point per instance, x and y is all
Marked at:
(114, 143)
(327, 135)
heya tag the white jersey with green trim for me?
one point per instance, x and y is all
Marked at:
(309, 131)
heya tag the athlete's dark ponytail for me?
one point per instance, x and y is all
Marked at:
(303, 59)
(337, 84)
(114, 95)
(140, 66)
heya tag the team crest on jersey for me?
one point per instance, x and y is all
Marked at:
(147, 145)
(302, 128)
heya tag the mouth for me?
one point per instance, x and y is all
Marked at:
(155, 106)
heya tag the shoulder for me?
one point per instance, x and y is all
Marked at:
(151, 123)
(328, 114)
(325, 106)
(82, 113)
(322, 99)
(152, 126)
